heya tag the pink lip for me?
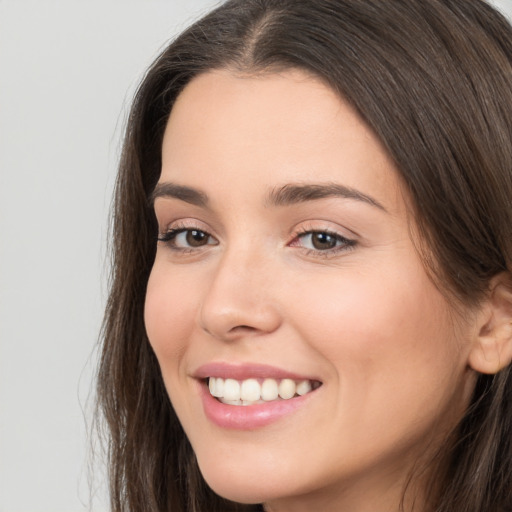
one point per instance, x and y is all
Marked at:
(246, 371)
(252, 416)
(248, 417)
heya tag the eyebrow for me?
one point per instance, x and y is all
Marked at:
(172, 190)
(285, 195)
(300, 193)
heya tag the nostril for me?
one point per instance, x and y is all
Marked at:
(241, 329)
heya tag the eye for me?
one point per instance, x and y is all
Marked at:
(187, 238)
(322, 241)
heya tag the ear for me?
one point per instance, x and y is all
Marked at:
(492, 348)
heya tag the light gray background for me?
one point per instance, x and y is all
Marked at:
(68, 70)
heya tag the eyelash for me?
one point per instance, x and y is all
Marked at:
(345, 243)
(169, 239)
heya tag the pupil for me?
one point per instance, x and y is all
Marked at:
(323, 241)
(196, 238)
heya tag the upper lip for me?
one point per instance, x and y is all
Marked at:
(246, 371)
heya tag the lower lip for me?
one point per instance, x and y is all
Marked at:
(248, 417)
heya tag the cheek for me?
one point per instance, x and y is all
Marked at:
(395, 363)
(387, 335)
(168, 315)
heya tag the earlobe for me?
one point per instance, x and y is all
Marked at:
(492, 348)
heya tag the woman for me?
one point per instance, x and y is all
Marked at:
(311, 302)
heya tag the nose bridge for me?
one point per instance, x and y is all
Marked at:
(240, 297)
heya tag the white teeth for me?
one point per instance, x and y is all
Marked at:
(269, 390)
(303, 387)
(216, 387)
(231, 389)
(287, 389)
(250, 391)
(231, 402)
(219, 387)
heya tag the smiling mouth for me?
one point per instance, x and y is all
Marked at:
(258, 391)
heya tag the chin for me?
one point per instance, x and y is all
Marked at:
(240, 489)
(242, 484)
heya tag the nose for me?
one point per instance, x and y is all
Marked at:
(240, 301)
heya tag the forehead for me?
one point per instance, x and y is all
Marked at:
(245, 131)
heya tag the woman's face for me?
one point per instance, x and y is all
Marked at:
(285, 266)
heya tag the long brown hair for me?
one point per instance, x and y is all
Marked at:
(433, 79)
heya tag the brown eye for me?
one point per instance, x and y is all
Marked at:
(196, 238)
(184, 238)
(323, 241)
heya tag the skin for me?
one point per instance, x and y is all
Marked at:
(364, 318)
